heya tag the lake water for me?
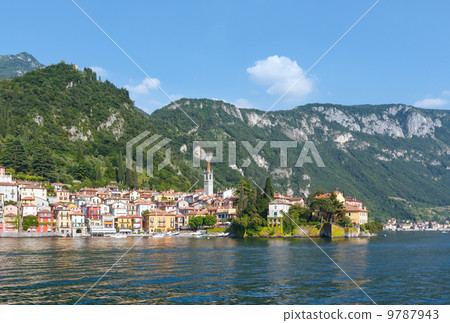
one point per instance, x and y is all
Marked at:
(401, 268)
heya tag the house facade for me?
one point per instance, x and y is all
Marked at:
(275, 214)
(45, 221)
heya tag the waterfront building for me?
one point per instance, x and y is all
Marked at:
(79, 228)
(159, 221)
(137, 223)
(45, 221)
(1, 212)
(124, 224)
(11, 222)
(277, 208)
(356, 214)
(63, 219)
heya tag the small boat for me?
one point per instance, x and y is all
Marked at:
(159, 235)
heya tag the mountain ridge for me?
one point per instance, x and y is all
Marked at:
(387, 141)
(17, 65)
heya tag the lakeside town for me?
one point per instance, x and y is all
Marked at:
(109, 211)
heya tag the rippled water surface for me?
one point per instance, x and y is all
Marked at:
(401, 268)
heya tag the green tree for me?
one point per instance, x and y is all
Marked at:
(325, 207)
(196, 222)
(98, 175)
(239, 226)
(29, 221)
(43, 163)
(14, 155)
(209, 220)
(268, 189)
(120, 171)
(80, 155)
(311, 197)
(129, 178)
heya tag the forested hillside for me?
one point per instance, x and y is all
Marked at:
(62, 124)
(394, 157)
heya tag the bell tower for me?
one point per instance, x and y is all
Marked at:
(208, 181)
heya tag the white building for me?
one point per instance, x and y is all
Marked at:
(276, 209)
(9, 191)
(33, 191)
(141, 207)
(226, 193)
(208, 185)
(118, 209)
(79, 228)
(4, 176)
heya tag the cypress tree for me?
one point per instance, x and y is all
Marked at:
(268, 189)
(120, 171)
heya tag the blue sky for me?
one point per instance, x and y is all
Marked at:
(246, 52)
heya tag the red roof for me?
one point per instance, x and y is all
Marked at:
(7, 184)
(352, 208)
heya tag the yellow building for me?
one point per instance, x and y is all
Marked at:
(356, 214)
(159, 221)
(63, 219)
(124, 224)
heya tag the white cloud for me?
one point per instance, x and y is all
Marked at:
(243, 104)
(145, 86)
(446, 92)
(99, 70)
(279, 73)
(430, 103)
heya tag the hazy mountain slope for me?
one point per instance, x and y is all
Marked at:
(17, 65)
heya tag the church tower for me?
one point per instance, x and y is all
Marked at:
(208, 181)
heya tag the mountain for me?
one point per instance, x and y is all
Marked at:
(17, 65)
(393, 157)
(61, 124)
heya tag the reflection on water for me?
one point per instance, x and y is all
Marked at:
(402, 268)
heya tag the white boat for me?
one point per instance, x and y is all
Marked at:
(159, 235)
(119, 236)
